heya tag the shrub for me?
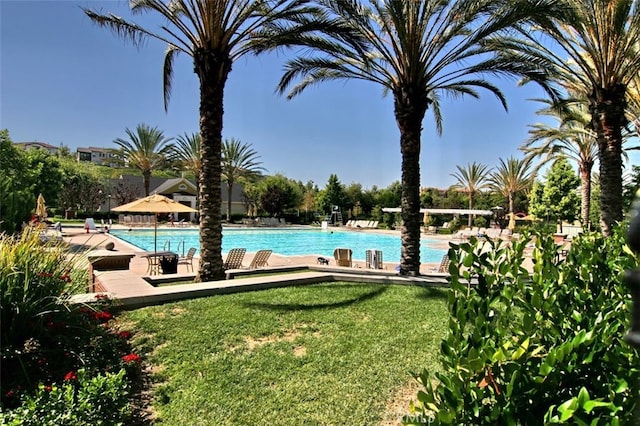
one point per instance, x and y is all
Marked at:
(535, 349)
(35, 280)
(79, 400)
(480, 222)
(48, 342)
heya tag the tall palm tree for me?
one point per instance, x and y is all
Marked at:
(214, 34)
(571, 139)
(592, 47)
(146, 150)
(419, 51)
(510, 177)
(239, 161)
(471, 179)
(187, 152)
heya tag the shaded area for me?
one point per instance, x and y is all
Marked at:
(311, 306)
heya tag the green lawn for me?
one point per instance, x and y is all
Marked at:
(335, 353)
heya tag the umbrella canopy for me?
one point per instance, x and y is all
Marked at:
(41, 208)
(154, 203)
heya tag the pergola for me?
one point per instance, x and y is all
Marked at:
(455, 212)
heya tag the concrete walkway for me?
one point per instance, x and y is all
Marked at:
(132, 288)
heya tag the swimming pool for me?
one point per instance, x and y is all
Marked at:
(284, 241)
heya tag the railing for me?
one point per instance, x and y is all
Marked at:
(167, 245)
(181, 244)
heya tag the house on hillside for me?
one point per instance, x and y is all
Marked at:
(37, 145)
(100, 156)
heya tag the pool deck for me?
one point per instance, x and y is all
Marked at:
(132, 287)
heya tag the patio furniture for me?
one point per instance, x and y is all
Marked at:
(343, 256)
(260, 259)
(188, 259)
(374, 259)
(234, 258)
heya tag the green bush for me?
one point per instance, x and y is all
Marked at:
(36, 279)
(79, 400)
(480, 222)
(535, 349)
(49, 342)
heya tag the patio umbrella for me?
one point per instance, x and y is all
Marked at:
(41, 208)
(154, 203)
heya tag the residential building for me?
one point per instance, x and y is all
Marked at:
(37, 145)
(100, 156)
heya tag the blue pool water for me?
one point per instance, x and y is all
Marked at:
(284, 241)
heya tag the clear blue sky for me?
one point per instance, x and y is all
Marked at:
(65, 81)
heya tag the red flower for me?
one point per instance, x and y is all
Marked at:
(10, 393)
(70, 376)
(42, 361)
(131, 358)
(102, 316)
(47, 388)
(125, 334)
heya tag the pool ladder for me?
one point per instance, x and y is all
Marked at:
(167, 246)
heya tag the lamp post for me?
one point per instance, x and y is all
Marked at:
(109, 207)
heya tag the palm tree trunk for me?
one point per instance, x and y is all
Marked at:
(585, 177)
(607, 115)
(146, 177)
(213, 70)
(409, 115)
(471, 217)
(229, 191)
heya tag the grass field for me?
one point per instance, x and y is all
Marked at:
(338, 353)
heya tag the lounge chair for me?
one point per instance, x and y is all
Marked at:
(188, 259)
(343, 256)
(260, 259)
(374, 259)
(234, 258)
(443, 268)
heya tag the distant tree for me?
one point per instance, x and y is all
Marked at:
(82, 192)
(16, 190)
(186, 151)
(146, 150)
(572, 139)
(46, 176)
(332, 195)
(239, 162)
(556, 198)
(279, 194)
(391, 196)
(471, 179)
(511, 177)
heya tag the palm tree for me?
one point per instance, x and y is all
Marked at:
(214, 34)
(592, 47)
(239, 161)
(471, 179)
(419, 51)
(187, 152)
(146, 150)
(571, 139)
(510, 177)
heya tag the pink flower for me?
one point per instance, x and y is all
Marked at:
(131, 358)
